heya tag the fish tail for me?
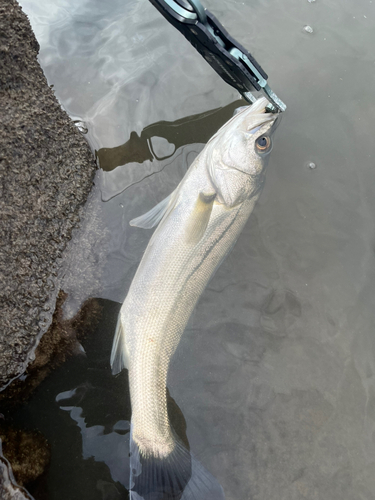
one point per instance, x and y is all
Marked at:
(179, 476)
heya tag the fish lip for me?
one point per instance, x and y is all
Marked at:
(261, 120)
(262, 117)
(276, 123)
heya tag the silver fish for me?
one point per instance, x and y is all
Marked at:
(198, 225)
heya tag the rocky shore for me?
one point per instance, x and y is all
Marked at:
(46, 172)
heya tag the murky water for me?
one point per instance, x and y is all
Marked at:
(275, 375)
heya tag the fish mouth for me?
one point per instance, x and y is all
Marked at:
(259, 120)
(276, 122)
(258, 116)
(251, 118)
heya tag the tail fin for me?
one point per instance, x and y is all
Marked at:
(177, 477)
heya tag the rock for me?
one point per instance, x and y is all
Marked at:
(9, 490)
(46, 172)
(27, 452)
(60, 341)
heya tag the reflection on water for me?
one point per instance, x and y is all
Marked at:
(112, 448)
(275, 375)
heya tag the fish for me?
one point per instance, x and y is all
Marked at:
(197, 226)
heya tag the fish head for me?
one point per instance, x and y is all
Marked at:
(239, 153)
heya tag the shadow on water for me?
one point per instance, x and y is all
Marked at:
(194, 129)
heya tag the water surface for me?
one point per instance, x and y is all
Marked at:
(275, 374)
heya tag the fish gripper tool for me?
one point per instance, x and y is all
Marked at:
(226, 56)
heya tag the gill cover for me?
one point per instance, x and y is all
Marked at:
(235, 167)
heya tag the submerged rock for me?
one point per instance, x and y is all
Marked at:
(46, 172)
(27, 452)
(60, 341)
(9, 490)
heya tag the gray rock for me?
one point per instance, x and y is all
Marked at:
(46, 172)
(9, 490)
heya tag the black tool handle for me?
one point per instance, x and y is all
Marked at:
(214, 43)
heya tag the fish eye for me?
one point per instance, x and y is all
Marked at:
(263, 143)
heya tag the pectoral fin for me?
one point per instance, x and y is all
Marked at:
(153, 216)
(199, 219)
